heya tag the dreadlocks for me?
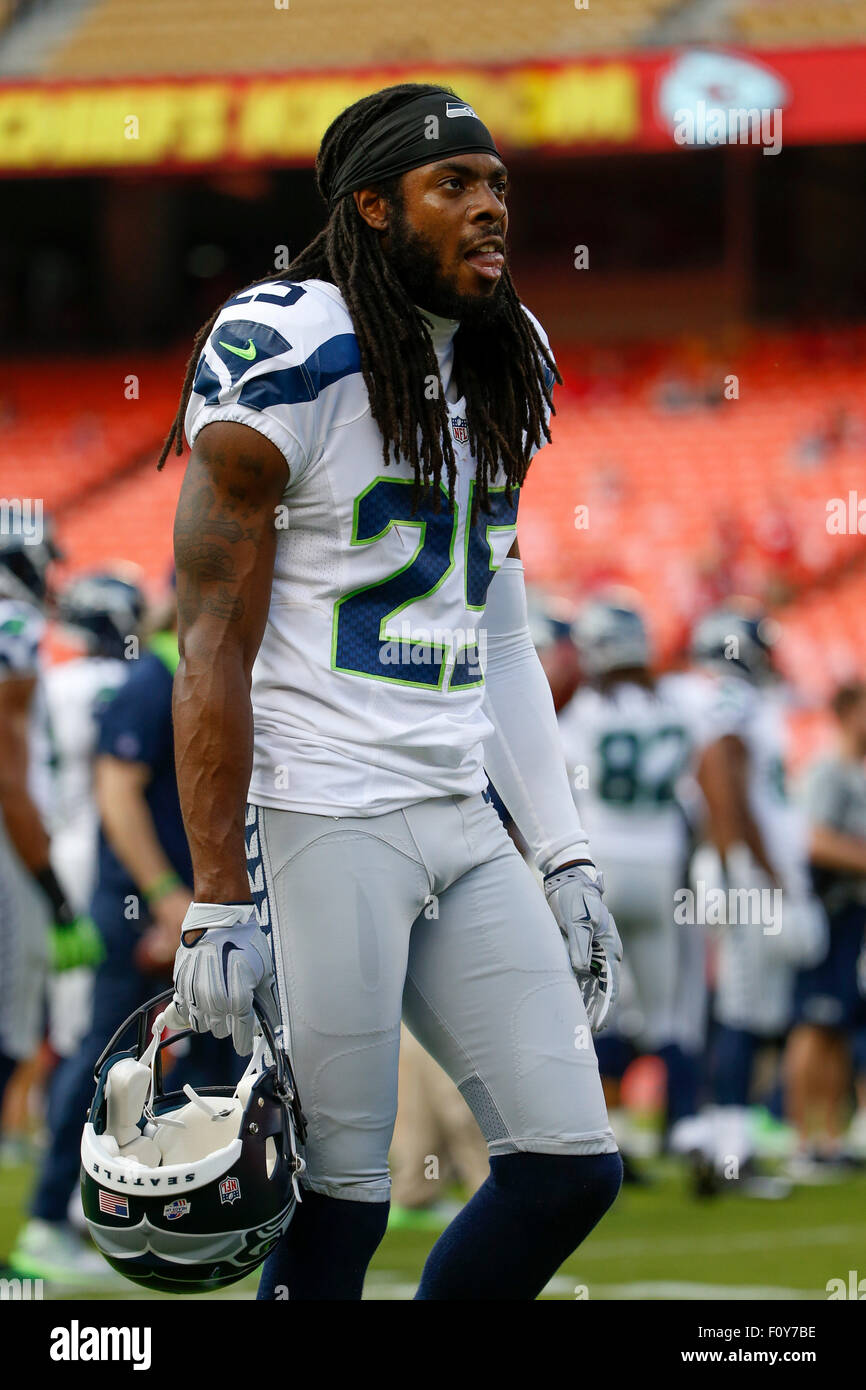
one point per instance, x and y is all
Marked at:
(500, 369)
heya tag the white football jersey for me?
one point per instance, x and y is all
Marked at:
(628, 751)
(367, 689)
(757, 715)
(76, 693)
(22, 627)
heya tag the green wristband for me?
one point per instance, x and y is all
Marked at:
(165, 884)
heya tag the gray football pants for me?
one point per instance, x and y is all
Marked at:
(432, 913)
(24, 955)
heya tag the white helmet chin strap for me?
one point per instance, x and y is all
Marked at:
(170, 1018)
(206, 1106)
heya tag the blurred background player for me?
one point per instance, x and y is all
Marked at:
(38, 927)
(101, 614)
(550, 621)
(142, 892)
(829, 1008)
(756, 855)
(630, 738)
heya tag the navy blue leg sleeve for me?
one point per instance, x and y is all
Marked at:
(7, 1067)
(734, 1057)
(528, 1217)
(325, 1252)
(683, 1076)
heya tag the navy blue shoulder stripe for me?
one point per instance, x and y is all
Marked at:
(337, 358)
(205, 383)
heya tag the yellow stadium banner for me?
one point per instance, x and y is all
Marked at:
(186, 124)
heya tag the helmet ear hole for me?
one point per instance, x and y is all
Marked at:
(270, 1155)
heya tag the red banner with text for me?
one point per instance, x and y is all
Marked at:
(658, 101)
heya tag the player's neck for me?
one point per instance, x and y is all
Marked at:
(441, 330)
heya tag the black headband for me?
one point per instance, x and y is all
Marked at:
(425, 128)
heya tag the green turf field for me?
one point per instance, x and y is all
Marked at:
(657, 1243)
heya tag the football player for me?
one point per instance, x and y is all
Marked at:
(101, 612)
(550, 622)
(38, 926)
(829, 1008)
(356, 660)
(630, 739)
(757, 856)
(141, 894)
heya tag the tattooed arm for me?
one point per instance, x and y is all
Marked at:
(224, 546)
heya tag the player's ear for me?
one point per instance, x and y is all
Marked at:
(373, 207)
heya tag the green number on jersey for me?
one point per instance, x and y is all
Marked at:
(641, 768)
(360, 646)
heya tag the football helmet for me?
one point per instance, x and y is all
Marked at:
(736, 637)
(187, 1191)
(610, 634)
(105, 608)
(24, 566)
(548, 618)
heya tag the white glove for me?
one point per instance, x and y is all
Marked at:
(595, 950)
(217, 977)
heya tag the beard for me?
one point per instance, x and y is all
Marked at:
(414, 259)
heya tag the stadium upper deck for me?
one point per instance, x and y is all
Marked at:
(111, 38)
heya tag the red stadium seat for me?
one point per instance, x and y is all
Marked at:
(685, 504)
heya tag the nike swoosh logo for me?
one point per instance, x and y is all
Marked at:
(228, 947)
(248, 353)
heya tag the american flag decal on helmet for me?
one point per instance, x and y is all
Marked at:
(113, 1205)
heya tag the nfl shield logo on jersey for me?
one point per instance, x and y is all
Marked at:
(230, 1190)
(460, 429)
